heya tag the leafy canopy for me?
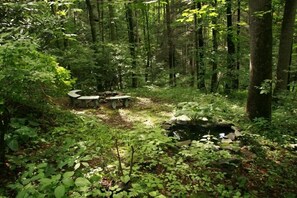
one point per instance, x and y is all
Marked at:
(28, 76)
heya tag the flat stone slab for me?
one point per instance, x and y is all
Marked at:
(75, 90)
(88, 98)
(118, 97)
(114, 100)
(73, 93)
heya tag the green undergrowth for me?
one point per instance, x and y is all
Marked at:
(76, 154)
(228, 108)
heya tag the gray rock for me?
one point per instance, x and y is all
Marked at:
(184, 143)
(231, 136)
(180, 118)
(226, 141)
(238, 133)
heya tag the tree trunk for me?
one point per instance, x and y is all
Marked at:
(92, 20)
(285, 46)
(113, 39)
(259, 104)
(231, 64)
(192, 69)
(291, 74)
(238, 55)
(199, 49)
(132, 42)
(171, 47)
(214, 76)
(146, 32)
(100, 10)
(4, 123)
(111, 21)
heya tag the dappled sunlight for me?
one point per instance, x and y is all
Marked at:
(144, 101)
(147, 113)
(79, 112)
(143, 111)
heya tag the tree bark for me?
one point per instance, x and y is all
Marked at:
(231, 64)
(171, 47)
(199, 49)
(91, 20)
(111, 21)
(285, 46)
(113, 39)
(100, 12)
(214, 76)
(238, 55)
(259, 104)
(147, 36)
(132, 42)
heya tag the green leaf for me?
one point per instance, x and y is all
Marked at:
(56, 177)
(76, 166)
(161, 196)
(68, 181)
(125, 179)
(85, 164)
(42, 165)
(80, 181)
(45, 182)
(13, 145)
(154, 193)
(22, 194)
(68, 174)
(60, 191)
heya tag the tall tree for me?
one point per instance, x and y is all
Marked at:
(113, 39)
(231, 64)
(146, 34)
(285, 46)
(111, 21)
(132, 41)
(170, 45)
(100, 12)
(238, 55)
(259, 100)
(92, 20)
(214, 76)
(199, 49)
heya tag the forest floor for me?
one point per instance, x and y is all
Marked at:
(125, 152)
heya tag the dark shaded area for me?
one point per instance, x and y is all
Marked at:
(190, 130)
(4, 123)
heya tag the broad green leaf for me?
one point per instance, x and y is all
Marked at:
(85, 164)
(56, 177)
(68, 181)
(125, 179)
(60, 191)
(153, 193)
(13, 145)
(80, 181)
(68, 174)
(42, 165)
(37, 177)
(22, 194)
(44, 182)
(84, 189)
(76, 166)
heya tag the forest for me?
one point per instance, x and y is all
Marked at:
(148, 98)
